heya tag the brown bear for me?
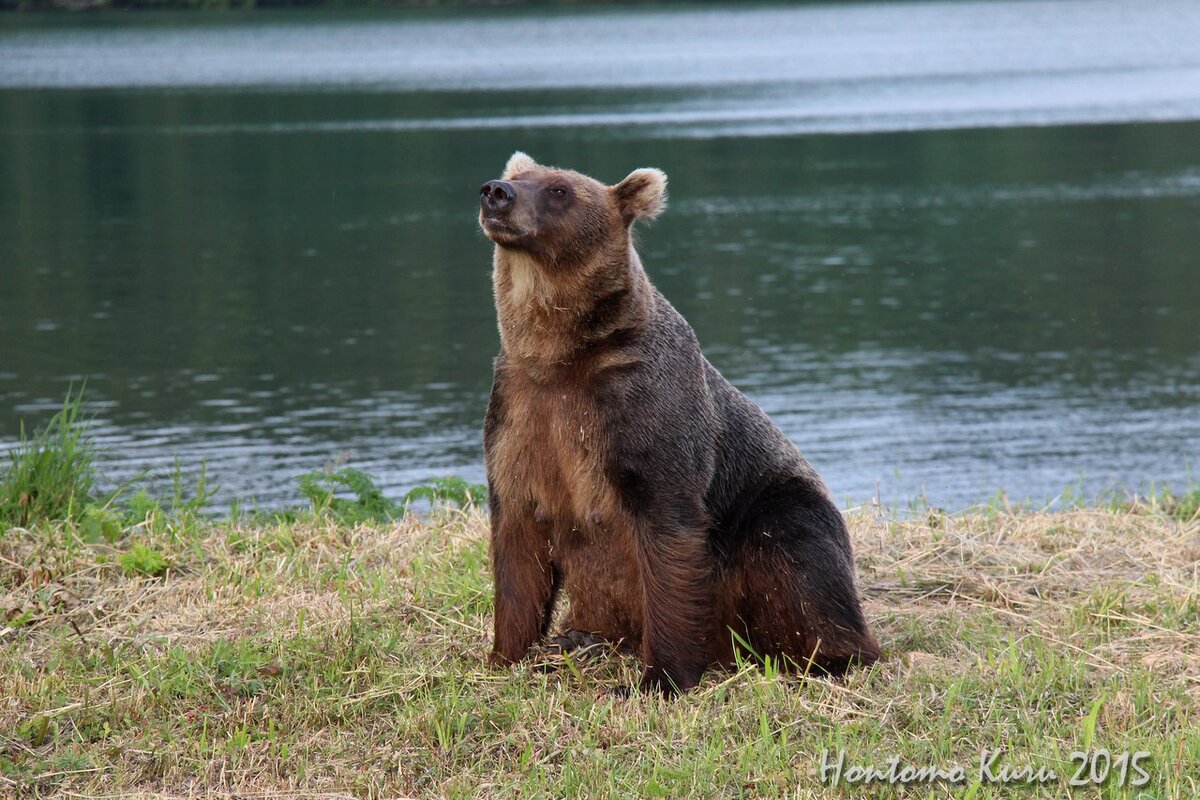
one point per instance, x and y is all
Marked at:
(623, 469)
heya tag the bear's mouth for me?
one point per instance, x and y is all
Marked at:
(495, 226)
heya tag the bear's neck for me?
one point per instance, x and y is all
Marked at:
(552, 324)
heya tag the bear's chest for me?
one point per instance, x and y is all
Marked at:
(549, 457)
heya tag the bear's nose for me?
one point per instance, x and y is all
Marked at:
(497, 195)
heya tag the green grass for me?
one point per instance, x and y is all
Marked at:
(147, 650)
(331, 660)
(51, 474)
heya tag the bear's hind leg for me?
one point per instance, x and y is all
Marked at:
(793, 594)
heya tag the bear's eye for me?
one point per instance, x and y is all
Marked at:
(559, 191)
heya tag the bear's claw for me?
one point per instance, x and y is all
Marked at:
(579, 642)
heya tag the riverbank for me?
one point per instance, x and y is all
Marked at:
(311, 657)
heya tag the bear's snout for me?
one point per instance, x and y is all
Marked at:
(497, 196)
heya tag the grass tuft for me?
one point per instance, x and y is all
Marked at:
(51, 474)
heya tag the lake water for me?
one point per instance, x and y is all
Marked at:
(952, 248)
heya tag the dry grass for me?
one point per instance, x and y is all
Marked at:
(312, 660)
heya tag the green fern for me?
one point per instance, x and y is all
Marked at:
(451, 490)
(369, 503)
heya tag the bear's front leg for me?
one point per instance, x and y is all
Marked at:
(676, 577)
(526, 586)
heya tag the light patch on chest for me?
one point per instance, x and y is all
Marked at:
(524, 279)
(532, 326)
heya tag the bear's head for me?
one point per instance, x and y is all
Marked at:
(561, 218)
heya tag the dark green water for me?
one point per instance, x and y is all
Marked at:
(272, 274)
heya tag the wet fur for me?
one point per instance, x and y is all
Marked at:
(625, 471)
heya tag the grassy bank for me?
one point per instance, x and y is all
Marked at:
(338, 650)
(324, 660)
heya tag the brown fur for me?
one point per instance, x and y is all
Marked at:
(623, 468)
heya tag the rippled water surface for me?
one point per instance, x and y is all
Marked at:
(950, 247)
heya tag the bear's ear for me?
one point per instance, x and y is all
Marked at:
(642, 195)
(518, 162)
